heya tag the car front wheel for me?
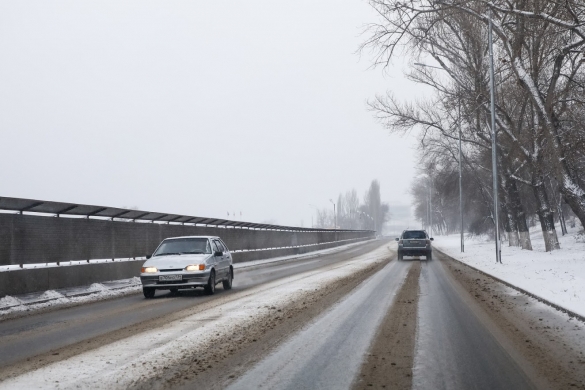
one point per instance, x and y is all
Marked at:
(210, 287)
(148, 292)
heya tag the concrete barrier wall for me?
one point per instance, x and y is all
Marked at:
(28, 239)
(49, 278)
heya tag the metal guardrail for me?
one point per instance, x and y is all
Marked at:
(57, 209)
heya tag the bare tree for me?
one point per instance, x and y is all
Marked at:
(539, 80)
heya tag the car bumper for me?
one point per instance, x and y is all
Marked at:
(414, 251)
(189, 280)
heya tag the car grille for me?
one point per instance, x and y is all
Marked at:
(170, 270)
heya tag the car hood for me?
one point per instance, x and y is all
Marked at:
(175, 261)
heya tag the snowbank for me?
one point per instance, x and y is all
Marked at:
(558, 276)
(68, 296)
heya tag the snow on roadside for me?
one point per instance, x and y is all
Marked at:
(9, 301)
(557, 276)
(51, 299)
(119, 364)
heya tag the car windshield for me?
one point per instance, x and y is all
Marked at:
(414, 234)
(181, 246)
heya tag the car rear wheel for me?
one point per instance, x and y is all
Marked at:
(210, 287)
(429, 256)
(400, 256)
(148, 292)
(227, 283)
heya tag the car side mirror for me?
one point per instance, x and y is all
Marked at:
(218, 253)
(432, 239)
(397, 239)
(148, 257)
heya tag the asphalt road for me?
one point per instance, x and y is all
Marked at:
(454, 348)
(328, 354)
(23, 338)
(413, 324)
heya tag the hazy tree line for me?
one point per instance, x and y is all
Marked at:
(539, 50)
(370, 214)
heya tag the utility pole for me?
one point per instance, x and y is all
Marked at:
(494, 143)
(431, 203)
(428, 227)
(460, 167)
(460, 180)
(334, 214)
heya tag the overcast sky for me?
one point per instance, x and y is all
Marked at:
(195, 107)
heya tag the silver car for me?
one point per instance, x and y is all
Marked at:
(187, 262)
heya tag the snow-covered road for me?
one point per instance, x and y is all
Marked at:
(353, 319)
(328, 353)
(148, 354)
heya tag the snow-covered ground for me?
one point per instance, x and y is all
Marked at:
(557, 276)
(106, 290)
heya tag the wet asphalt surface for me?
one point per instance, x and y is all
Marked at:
(328, 354)
(454, 349)
(36, 334)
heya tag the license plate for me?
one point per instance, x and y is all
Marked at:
(166, 278)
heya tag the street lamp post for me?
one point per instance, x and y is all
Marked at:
(460, 180)
(494, 143)
(334, 214)
(431, 203)
(460, 171)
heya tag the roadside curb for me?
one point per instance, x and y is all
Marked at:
(570, 313)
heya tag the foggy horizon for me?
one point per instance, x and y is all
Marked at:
(198, 109)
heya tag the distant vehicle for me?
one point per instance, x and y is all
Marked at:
(415, 243)
(187, 262)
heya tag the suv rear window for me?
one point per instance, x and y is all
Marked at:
(414, 234)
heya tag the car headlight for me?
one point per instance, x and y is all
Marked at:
(195, 267)
(148, 270)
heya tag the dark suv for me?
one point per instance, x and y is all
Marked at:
(414, 243)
